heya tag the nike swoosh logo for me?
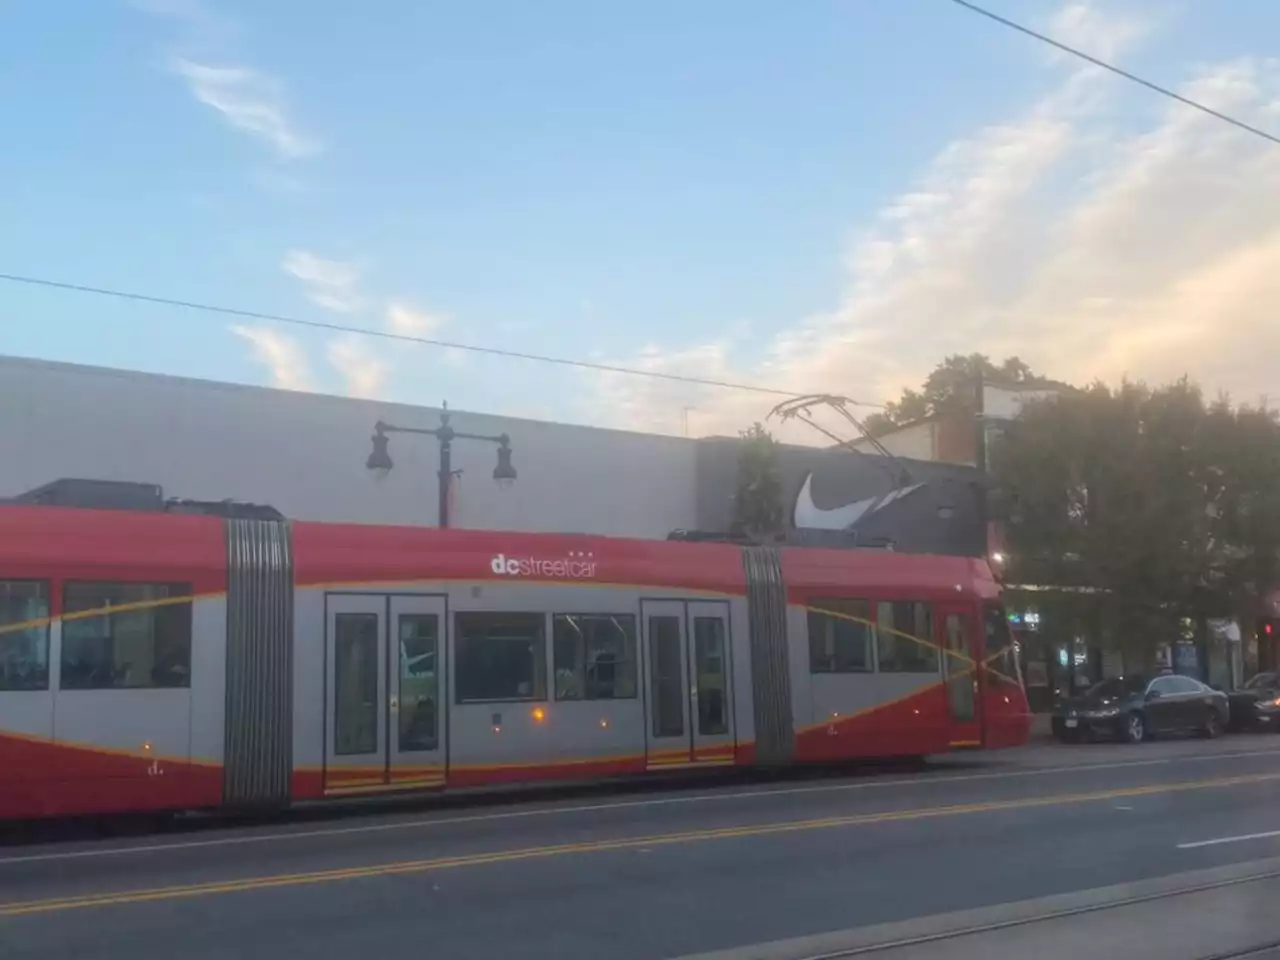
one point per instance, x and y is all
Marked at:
(808, 515)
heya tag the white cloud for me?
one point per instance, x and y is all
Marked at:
(661, 406)
(409, 322)
(1083, 26)
(282, 355)
(331, 284)
(1087, 250)
(364, 365)
(191, 10)
(364, 374)
(249, 101)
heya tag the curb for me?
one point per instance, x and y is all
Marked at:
(984, 921)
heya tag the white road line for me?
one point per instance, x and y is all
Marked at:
(569, 810)
(1217, 840)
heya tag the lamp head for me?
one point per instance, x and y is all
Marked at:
(379, 461)
(504, 474)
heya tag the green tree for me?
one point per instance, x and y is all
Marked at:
(951, 389)
(1118, 497)
(757, 501)
(1244, 455)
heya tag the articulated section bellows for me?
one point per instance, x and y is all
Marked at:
(259, 720)
(770, 667)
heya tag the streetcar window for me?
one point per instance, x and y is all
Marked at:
(904, 638)
(146, 642)
(24, 635)
(355, 683)
(595, 656)
(711, 671)
(839, 636)
(666, 675)
(501, 656)
(419, 683)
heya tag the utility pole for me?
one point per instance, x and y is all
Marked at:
(980, 456)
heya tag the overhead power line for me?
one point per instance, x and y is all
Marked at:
(403, 337)
(1163, 91)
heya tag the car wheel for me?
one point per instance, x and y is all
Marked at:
(1212, 725)
(1135, 728)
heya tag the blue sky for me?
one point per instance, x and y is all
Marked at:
(827, 194)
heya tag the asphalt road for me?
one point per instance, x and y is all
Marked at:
(650, 874)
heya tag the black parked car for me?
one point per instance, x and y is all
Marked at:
(1134, 708)
(1256, 705)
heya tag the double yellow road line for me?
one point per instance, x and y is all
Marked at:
(243, 885)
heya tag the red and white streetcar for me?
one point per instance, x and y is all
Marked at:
(170, 660)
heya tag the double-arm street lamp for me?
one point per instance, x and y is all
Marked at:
(380, 460)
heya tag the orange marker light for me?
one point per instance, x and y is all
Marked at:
(539, 714)
(604, 724)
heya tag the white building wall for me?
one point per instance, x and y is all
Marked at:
(304, 454)
(915, 442)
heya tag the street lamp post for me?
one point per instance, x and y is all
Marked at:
(380, 460)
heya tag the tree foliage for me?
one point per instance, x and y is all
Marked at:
(1152, 503)
(951, 389)
(757, 501)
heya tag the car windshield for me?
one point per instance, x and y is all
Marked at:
(1118, 687)
(1261, 681)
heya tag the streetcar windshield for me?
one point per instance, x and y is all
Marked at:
(1001, 649)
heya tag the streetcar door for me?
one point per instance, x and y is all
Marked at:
(710, 689)
(384, 722)
(665, 655)
(961, 654)
(356, 712)
(416, 735)
(690, 696)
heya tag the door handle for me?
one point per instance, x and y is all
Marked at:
(395, 704)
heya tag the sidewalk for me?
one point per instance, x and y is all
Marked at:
(1187, 916)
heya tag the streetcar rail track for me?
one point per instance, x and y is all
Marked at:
(1256, 952)
(903, 943)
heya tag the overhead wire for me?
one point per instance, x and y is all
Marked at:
(605, 367)
(592, 365)
(403, 337)
(1133, 77)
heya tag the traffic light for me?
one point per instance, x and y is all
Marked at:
(1268, 637)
